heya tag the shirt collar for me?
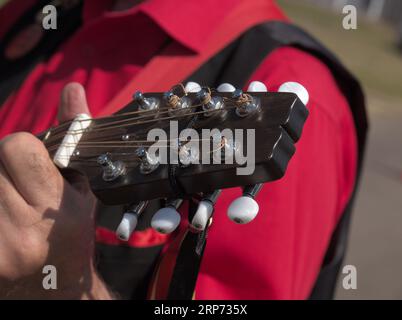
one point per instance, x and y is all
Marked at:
(189, 22)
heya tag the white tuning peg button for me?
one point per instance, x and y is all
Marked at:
(243, 210)
(226, 87)
(296, 88)
(130, 221)
(257, 86)
(192, 87)
(202, 215)
(127, 226)
(167, 219)
(205, 210)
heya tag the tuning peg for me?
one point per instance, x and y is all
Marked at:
(149, 163)
(111, 169)
(209, 104)
(244, 209)
(130, 220)
(297, 88)
(257, 86)
(167, 219)
(175, 103)
(193, 87)
(188, 155)
(204, 211)
(168, 95)
(204, 95)
(226, 87)
(145, 103)
(247, 104)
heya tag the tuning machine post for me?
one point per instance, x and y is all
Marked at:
(149, 163)
(176, 105)
(225, 150)
(145, 104)
(244, 209)
(209, 104)
(245, 103)
(111, 169)
(187, 155)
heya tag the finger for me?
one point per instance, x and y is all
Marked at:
(27, 161)
(73, 101)
(10, 199)
(78, 181)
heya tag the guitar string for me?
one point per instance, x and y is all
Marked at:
(121, 123)
(97, 144)
(129, 145)
(79, 131)
(220, 147)
(181, 86)
(153, 113)
(134, 160)
(113, 124)
(69, 122)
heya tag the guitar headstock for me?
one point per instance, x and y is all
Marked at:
(180, 143)
(195, 131)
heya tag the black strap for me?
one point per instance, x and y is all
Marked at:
(188, 262)
(177, 189)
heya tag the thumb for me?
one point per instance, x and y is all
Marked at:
(73, 101)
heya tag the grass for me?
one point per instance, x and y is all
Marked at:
(369, 52)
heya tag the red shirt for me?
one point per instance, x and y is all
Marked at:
(279, 254)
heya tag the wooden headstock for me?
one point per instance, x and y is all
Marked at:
(96, 146)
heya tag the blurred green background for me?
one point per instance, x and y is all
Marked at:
(369, 51)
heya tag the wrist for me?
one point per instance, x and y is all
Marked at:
(89, 286)
(97, 290)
